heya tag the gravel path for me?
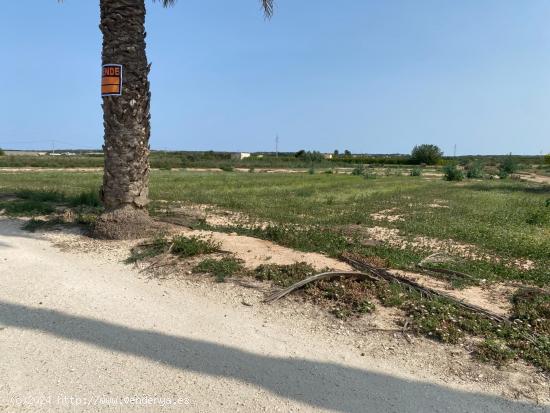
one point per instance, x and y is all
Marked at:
(82, 333)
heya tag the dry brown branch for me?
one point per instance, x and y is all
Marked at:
(359, 264)
(323, 276)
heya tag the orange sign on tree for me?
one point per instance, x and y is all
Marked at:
(111, 80)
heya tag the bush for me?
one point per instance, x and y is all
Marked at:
(416, 171)
(546, 158)
(2, 153)
(427, 154)
(452, 173)
(358, 170)
(507, 166)
(474, 170)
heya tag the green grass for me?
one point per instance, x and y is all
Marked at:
(221, 269)
(179, 245)
(507, 219)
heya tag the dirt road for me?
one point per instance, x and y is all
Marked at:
(80, 332)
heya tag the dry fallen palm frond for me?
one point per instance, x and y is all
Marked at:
(323, 276)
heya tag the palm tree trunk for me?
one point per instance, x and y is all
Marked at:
(126, 121)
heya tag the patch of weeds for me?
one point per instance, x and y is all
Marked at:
(526, 337)
(41, 196)
(496, 351)
(345, 296)
(190, 246)
(220, 269)
(86, 219)
(416, 171)
(316, 239)
(34, 224)
(436, 319)
(311, 171)
(158, 245)
(389, 294)
(88, 198)
(227, 168)
(532, 307)
(26, 207)
(179, 245)
(284, 275)
(539, 217)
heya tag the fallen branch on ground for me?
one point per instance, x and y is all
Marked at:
(323, 276)
(382, 273)
(441, 257)
(446, 272)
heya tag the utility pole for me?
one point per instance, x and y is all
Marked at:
(277, 146)
(53, 146)
(454, 151)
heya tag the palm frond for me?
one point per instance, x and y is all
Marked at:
(167, 3)
(268, 8)
(266, 4)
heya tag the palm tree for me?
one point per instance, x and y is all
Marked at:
(126, 120)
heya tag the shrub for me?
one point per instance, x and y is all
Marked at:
(452, 173)
(546, 158)
(427, 154)
(2, 153)
(358, 170)
(227, 168)
(507, 166)
(474, 170)
(417, 171)
(311, 171)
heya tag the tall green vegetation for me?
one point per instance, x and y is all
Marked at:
(452, 173)
(508, 166)
(426, 154)
(474, 170)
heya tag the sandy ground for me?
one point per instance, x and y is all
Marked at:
(80, 331)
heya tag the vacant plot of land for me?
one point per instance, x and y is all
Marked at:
(479, 241)
(494, 230)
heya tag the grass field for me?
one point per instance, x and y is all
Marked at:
(496, 230)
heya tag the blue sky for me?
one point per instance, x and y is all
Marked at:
(370, 76)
